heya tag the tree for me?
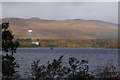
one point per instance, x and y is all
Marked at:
(77, 70)
(9, 47)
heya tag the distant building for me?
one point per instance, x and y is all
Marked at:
(37, 43)
(30, 36)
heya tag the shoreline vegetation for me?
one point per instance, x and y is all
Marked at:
(68, 43)
(63, 48)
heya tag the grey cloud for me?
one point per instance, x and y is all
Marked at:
(60, 0)
(105, 11)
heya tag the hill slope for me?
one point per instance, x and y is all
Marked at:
(67, 29)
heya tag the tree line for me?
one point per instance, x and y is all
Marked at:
(69, 43)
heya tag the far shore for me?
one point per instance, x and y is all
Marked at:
(67, 47)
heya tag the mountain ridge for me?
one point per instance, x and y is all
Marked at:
(66, 29)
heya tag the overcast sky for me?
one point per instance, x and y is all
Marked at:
(104, 11)
(60, 0)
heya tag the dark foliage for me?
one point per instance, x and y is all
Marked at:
(8, 45)
(109, 72)
(9, 48)
(77, 70)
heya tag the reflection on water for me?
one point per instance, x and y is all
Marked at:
(95, 57)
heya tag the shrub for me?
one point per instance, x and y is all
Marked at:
(56, 70)
(108, 72)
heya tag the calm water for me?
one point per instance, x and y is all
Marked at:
(95, 57)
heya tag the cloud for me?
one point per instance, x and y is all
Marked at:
(0, 9)
(60, 0)
(105, 11)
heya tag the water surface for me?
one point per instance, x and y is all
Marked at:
(95, 57)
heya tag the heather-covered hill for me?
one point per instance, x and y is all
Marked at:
(67, 29)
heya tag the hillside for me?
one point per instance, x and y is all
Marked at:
(67, 29)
